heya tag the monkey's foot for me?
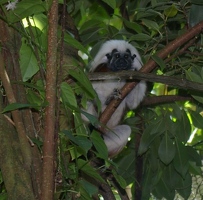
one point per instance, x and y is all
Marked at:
(115, 95)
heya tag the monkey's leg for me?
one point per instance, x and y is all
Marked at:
(116, 138)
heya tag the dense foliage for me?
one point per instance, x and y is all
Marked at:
(163, 156)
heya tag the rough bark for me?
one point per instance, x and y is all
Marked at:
(47, 191)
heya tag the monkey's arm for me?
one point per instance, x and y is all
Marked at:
(134, 98)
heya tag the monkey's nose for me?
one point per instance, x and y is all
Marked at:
(122, 64)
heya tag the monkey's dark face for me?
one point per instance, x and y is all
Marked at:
(120, 61)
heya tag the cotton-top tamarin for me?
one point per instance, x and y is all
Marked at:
(116, 55)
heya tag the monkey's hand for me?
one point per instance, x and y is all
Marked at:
(115, 95)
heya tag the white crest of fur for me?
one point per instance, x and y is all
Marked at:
(121, 46)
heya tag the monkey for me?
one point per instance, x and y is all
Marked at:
(116, 55)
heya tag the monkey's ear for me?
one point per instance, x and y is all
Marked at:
(133, 56)
(108, 56)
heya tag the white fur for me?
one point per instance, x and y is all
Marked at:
(120, 45)
(118, 137)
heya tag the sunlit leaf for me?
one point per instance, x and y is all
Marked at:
(25, 9)
(28, 62)
(171, 11)
(197, 119)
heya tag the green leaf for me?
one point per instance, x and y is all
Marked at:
(74, 43)
(197, 119)
(198, 98)
(163, 190)
(67, 95)
(25, 9)
(86, 85)
(132, 25)
(28, 61)
(90, 24)
(119, 179)
(181, 159)
(194, 169)
(151, 24)
(99, 144)
(16, 106)
(159, 61)
(166, 150)
(88, 187)
(182, 127)
(92, 119)
(79, 124)
(185, 127)
(141, 37)
(171, 11)
(126, 164)
(146, 140)
(147, 183)
(193, 77)
(38, 27)
(171, 176)
(157, 126)
(184, 187)
(89, 170)
(34, 98)
(84, 82)
(194, 155)
(81, 141)
(111, 3)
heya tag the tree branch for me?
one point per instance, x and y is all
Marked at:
(135, 75)
(154, 100)
(149, 66)
(49, 133)
(25, 146)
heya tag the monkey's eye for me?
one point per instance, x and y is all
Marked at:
(117, 55)
(126, 56)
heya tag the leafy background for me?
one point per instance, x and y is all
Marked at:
(163, 158)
